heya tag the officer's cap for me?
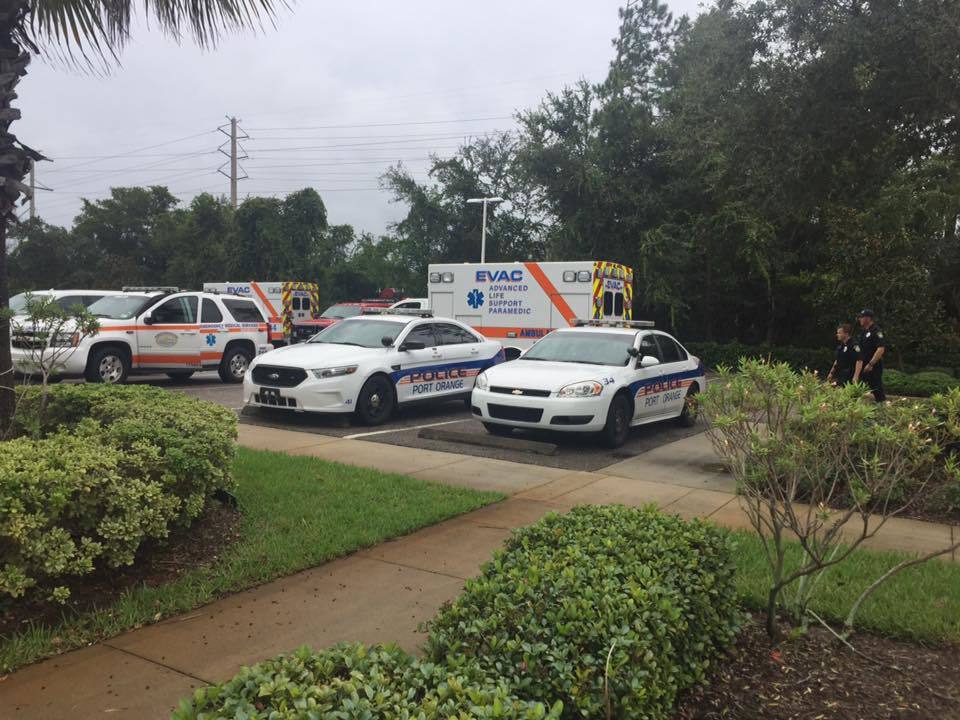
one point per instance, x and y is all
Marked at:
(867, 313)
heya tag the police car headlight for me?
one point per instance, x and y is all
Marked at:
(324, 373)
(63, 340)
(581, 390)
(481, 383)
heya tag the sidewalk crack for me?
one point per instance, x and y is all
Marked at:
(159, 664)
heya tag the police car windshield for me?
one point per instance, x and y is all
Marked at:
(363, 333)
(589, 348)
(339, 312)
(18, 303)
(119, 307)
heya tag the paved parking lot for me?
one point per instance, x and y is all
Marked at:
(574, 451)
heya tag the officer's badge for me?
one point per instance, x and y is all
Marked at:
(868, 334)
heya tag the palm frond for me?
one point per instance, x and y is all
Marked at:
(92, 30)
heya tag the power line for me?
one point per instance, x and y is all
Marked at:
(393, 124)
(97, 158)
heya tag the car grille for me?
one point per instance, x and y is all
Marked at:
(274, 376)
(520, 414)
(520, 391)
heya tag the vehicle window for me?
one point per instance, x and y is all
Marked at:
(648, 346)
(414, 305)
(120, 307)
(423, 333)
(590, 348)
(89, 300)
(618, 305)
(70, 301)
(339, 312)
(210, 313)
(360, 332)
(671, 353)
(295, 303)
(453, 335)
(18, 303)
(176, 311)
(243, 311)
(607, 304)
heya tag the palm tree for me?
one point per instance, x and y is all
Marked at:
(85, 32)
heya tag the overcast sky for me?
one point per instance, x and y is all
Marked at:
(331, 98)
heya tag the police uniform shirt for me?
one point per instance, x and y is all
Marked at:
(870, 340)
(847, 355)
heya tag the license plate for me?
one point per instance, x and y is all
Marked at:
(270, 396)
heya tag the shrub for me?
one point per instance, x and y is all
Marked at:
(921, 384)
(354, 682)
(714, 355)
(611, 610)
(104, 470)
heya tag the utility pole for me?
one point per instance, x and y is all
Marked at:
(234, 155)
(483, 232)
(33, 190)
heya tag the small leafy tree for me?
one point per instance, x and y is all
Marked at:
(815, 464)
(51, 334)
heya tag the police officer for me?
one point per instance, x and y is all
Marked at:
(848, 365)
(872, 347)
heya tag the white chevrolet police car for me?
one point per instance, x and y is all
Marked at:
(601, 376)
(368, 365)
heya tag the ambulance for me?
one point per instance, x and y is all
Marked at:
(519, 303)
(284, 303)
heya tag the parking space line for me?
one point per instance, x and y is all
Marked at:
(357, 436)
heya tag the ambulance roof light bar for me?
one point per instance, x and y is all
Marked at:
(616, 323)
(147, 289)
(413, 312)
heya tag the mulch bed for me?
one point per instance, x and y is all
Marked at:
(186, 549)
(815, 677)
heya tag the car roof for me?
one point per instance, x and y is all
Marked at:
(603, 329)
(392, 318)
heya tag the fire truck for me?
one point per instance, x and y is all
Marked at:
(285, 304)
(518, 303)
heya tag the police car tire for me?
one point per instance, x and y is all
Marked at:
(224, 370)
(92, 373)
(687, 417)
(617, 429)
(498, 430)
(380, 386)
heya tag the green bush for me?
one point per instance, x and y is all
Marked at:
(355, 682)
(611, 610)
(104, 469)
(728, 354)
(921, 384)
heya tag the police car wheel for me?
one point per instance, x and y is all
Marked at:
(688, 416)
(234, 365)
(499, 430)
(375, 402)
(617, 429)
(108, 365)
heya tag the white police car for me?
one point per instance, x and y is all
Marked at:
(368, 365)
(598, 377)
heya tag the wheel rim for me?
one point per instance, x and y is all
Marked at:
(620, 420)
(377, 403)
(238, 365)
(111, 369)
(690, 406)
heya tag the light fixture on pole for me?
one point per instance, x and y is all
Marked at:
(483, 233)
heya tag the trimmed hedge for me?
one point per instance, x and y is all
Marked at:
(921, 384)
(715, 354)
(611, 610)
(104, 469)
(355, 682)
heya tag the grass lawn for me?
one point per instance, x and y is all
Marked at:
(298, 512)
(922, 603)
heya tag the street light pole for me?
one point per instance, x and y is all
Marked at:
(483, 232)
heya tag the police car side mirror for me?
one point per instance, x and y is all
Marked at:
(633, 352)
(386, 341)
(148, 320)
(412, 345)
(648, 361)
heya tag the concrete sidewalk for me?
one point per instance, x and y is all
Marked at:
(376, 595)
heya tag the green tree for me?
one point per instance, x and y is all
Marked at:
(199, 242)
(88, 30)
(48, 256)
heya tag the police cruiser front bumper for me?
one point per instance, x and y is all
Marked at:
(300, 390)
(539, 411)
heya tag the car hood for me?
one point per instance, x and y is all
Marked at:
(317, 355)
(541, 375)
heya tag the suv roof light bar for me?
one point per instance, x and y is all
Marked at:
(413, 312)
(156, 288)
(616, 323)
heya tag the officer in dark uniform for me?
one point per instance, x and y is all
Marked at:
(848, 365)
(872, 347)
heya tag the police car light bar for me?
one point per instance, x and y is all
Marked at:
(158, 288)
(616, 323)
(397, 311)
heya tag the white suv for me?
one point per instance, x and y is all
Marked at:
(151, 331)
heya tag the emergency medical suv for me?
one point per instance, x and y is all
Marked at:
(154, 331)
(600, 377)
(369, 365)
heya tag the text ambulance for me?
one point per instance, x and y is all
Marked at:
(519, 303)
(151, 331)
(284, 304)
